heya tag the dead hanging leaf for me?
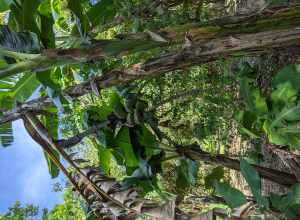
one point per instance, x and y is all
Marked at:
(156, 37)
(166, 211)
(289, 159)
(94, 86)
(108, 199)
(73, 155)
(243, 212)
(204, 216)
(120, 202)
(188, 41)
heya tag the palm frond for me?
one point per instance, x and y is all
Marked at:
(15, 88)
(6, 134)
(18, 41)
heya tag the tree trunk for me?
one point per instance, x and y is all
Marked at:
(195, 54)
(196, 153)
(282, 18)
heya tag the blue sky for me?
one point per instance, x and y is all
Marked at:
(24, 174)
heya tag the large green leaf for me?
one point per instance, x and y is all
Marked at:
(245, 91)
(4, 5)
(24, 14)
(17, 88)
(47, 34)
(52, 168)
(288, 113)
(51, 123)
(18, 41)
(187, 171)
(284, 93)
(290, 128)
(252, 97)
(216, 175)
(233, 197)
(105, 156)
(103, 12)
(253, 179)
(249, 123)
(148, 140)
(76, 7)
(290, 74)
(61, 18)
(6, 134)
(280, 138)
(123, 141)
(25, 87)
(13, 89)
(47, 22)
(143, 178)
(288, 204)
(259, 102)
(50, 79)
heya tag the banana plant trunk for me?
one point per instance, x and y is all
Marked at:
(195, 153)
(280, 18)
(221, 38)
(194, 53)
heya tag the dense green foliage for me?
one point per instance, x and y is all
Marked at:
(276, 115)
(86, 60)
(17, 212)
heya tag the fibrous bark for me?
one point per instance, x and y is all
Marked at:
(229, 26)
(195, 54)
(194, 152)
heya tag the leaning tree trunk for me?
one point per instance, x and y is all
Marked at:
(231, 36)
(194, 54)
(281, 18)
(194, 152)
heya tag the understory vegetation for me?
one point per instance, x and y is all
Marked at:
(162, 109)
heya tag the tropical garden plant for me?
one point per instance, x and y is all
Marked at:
(147, 88)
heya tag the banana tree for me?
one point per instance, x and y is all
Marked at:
(107, 198)
(105, 195)
(224, 37)
(33, 54)
(196, 54)
(102, 49)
